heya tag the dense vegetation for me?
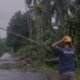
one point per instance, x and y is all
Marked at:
(38, 30)
(3, 46)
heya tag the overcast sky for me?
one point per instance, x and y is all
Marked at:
(7, 9)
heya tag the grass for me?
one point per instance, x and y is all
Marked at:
(78, 74)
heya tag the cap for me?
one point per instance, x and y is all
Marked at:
(67, 39)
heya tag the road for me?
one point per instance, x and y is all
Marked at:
(21, 75)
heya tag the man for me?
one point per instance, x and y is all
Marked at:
(66, 53)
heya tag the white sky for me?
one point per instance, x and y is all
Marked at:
(7, 9)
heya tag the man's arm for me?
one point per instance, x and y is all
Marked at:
(57, 43)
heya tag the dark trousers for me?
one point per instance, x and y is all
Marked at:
(68, 76)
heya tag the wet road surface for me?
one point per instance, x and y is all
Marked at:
(23, 75)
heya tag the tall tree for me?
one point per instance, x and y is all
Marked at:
(17, 24)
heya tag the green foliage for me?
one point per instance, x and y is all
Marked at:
(17, 24)
(3, 46)
(71, 28)
(38, 52)
(25, 51)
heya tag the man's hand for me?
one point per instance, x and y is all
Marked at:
(58, 42)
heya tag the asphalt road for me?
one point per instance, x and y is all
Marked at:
(22, 75)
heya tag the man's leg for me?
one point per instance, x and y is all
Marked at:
(68, 76)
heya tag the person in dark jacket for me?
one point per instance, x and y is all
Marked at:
(66, 53)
